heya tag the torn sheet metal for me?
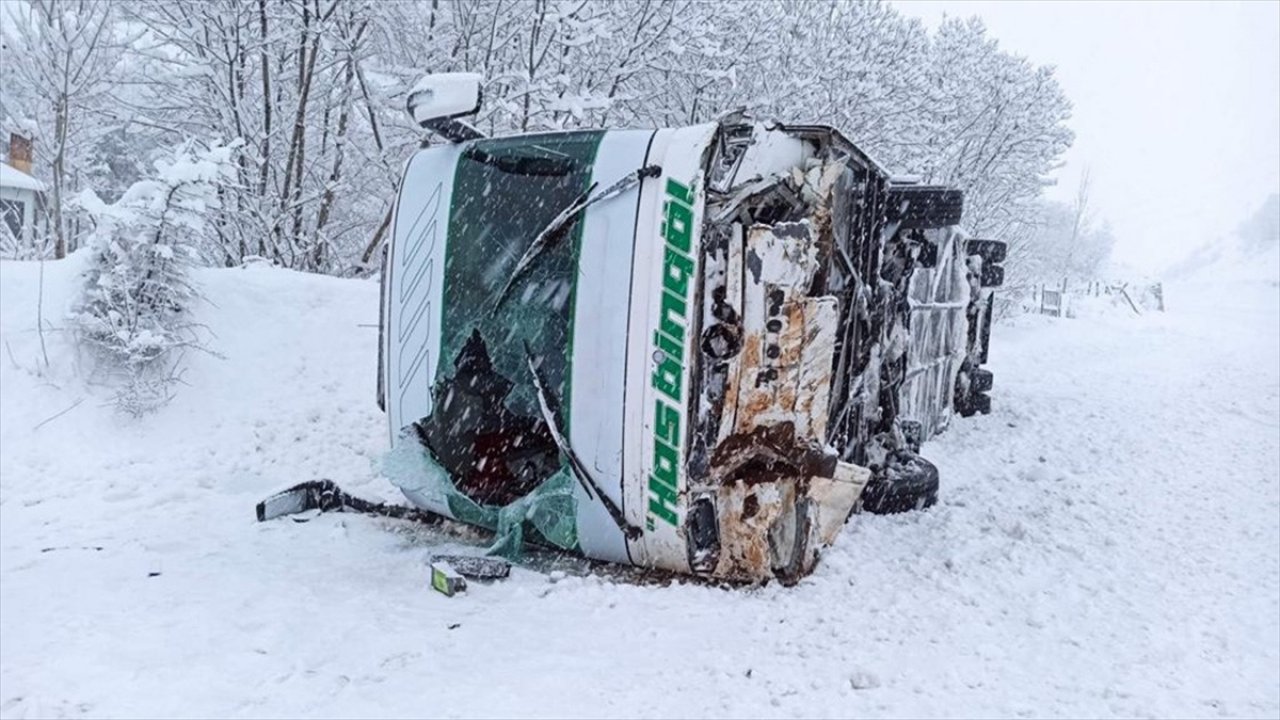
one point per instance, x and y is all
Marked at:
(779, 490)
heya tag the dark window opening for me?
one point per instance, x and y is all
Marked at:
(13, 211)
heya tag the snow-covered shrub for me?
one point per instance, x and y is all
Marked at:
(134, 313)
(14, 247)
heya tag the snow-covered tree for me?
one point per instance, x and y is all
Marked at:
(134, 313)
(316, 90)
(1058, 242)
(58, 70)
(997, 126)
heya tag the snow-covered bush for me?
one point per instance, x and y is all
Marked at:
(134, 313)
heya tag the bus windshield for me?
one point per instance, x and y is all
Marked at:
(486, 428)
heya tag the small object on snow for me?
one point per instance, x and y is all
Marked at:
(315, 495)
(476, 568)
(153, 574)
(447, 580)
(863, 680)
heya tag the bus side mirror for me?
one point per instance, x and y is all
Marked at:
(437, 102)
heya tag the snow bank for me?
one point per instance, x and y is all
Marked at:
(1105, 545)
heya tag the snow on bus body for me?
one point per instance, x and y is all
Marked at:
(682, 419)
(938, 344)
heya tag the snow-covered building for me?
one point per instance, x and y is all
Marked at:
(21, 195)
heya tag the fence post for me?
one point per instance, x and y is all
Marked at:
(1132, 304)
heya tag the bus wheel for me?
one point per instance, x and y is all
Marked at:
(905, 482)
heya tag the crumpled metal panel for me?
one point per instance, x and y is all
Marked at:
(754, 523)
(780, 492)
(834, 497)
(783, 373)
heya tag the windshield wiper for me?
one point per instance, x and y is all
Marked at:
(539, 165)
(554, 229)
(550, 406)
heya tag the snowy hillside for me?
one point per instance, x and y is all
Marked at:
(1106, 543)
(1250, 254)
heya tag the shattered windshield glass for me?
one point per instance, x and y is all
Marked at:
(486, 429)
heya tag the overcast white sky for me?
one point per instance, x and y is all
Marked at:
(1177, 109)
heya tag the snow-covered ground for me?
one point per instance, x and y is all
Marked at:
(1107, 543)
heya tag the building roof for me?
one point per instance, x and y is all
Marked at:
(11, 177)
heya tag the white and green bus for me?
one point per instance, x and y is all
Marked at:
(684, 348)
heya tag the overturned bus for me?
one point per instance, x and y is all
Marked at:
(699, 349)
